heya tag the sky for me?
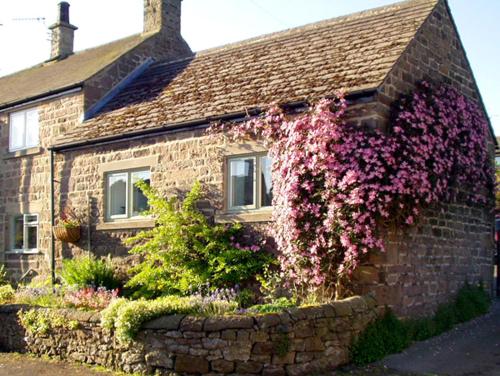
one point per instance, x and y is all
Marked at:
(24, 37)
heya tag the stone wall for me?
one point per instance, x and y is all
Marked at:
(25, 179)
(176, 161)
(425, 265)
(299, 341)
(452, 243)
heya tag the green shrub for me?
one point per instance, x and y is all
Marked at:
(6, 294)
(384, 336)
(88, 271)
(471, 301)
(184, 251)
(42, 321)
(389, 335)
(277, 306)
(421, 329)
(445, 318)
(245, 298)
(126, 317)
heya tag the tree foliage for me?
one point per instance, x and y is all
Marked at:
(184, 251)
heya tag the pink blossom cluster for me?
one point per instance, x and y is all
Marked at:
(91, 298)
(333, 183)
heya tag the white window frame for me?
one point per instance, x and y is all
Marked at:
(257, 183)
(26, 225)
(25, 145)
(128, 195)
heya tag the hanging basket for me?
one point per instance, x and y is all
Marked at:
(67, 234)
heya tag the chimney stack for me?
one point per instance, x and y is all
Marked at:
(62, 34)
(162, 16)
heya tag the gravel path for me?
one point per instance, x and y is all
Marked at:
(24, 365)
(470, 349)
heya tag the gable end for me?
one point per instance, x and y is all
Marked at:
(435, 54)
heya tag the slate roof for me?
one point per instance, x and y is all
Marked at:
(56, 76)
(353, 52)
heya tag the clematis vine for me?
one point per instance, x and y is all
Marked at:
(334, 183)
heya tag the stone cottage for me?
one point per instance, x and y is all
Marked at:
(98, 120)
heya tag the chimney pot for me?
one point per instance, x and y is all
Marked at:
(64, 12)
(62, 34)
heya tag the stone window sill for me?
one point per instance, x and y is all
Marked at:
(125, 225)
(263, 215)
(23, 253)
(23, 153)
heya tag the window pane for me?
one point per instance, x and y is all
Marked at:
(32, 237)
(266, 189)
(17, 131)
(242, 182)
(18, 233)
(32, 131)
(117, 190)
(139, 201)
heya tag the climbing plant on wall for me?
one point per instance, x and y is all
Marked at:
(334, 183)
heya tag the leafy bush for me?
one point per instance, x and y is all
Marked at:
(472, 301)
(388, 334)
(90, 298)
(88, 271)
(37, 321)
(445, 318)
(6, 294)
(421, 329)
(277, 306)
(126, 317)
(184, 251)
(385, 336)
(272, 284)
(245, 298)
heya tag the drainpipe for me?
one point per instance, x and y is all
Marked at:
(89, 244)
(52, 222)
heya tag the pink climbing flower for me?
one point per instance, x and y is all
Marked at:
(333, 183)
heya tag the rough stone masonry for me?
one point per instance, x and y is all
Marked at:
(296, 342)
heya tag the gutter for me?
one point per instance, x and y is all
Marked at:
(43, 97)
(204, 123)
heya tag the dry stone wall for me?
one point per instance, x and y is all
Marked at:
(299, 341)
